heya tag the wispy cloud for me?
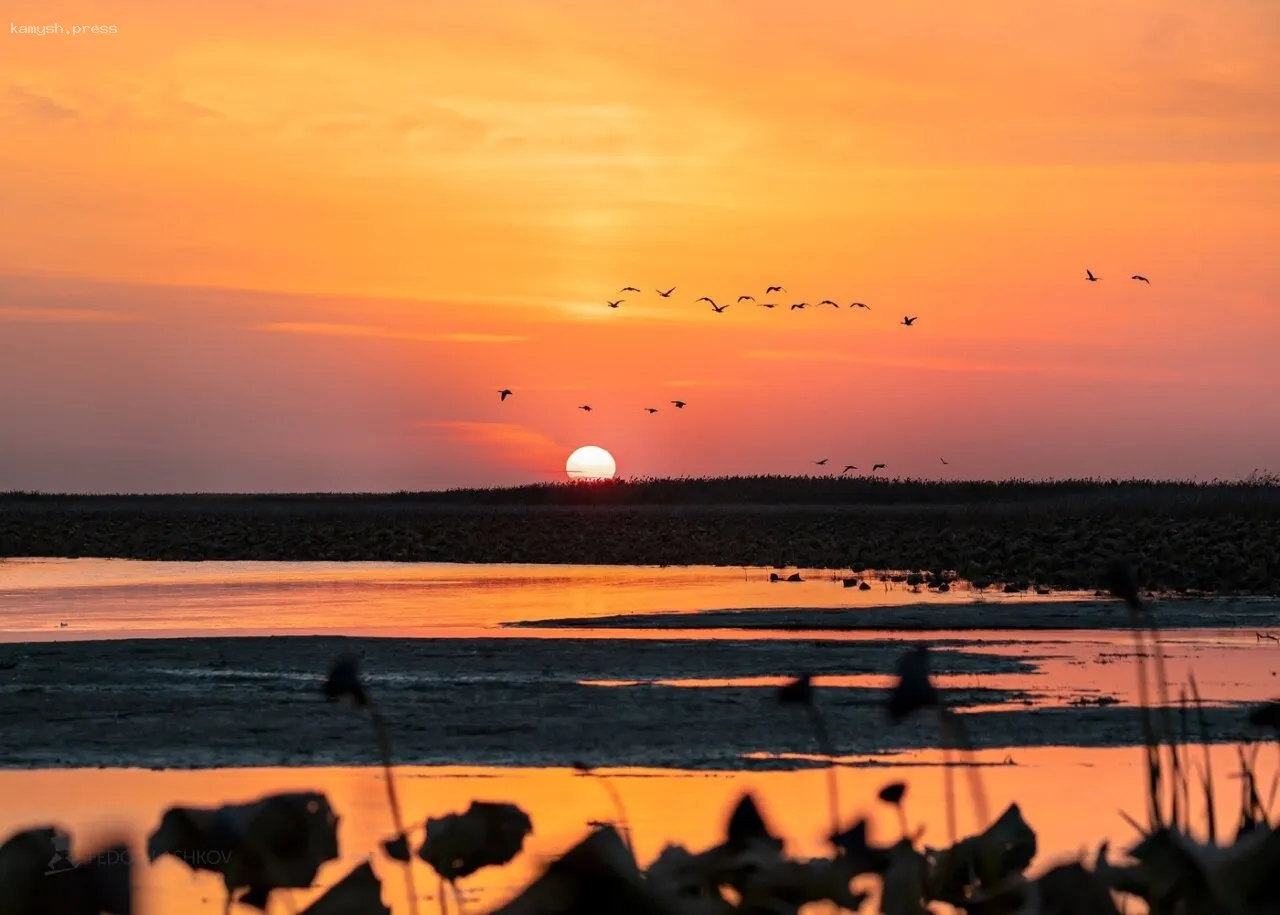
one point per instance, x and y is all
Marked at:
(510, 441)
(954, 364)
(600, 311)
(383, 333)
(21, 315)
(937, 364)
(40, 107)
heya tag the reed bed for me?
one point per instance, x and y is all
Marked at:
(1186, 863)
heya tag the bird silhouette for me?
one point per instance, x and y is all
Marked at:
(667, 294)
(651, 409)
(586, 407)
(617, 303)
(1088, 275)
(719, 309)
(504, 394)
(798, 305)
(875, 467)
(848, 467)
(767, 304)
(773, 289)
(705, 298)
(628, 289)
(1140, 278)
(860, 305)
(678, 404)
(821, 463)
(746, 298)
(829, 302)
(908, 321)
(944, 460)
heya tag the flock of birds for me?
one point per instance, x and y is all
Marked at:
(721, 308)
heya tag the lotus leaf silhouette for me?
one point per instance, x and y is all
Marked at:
(981, 862)
(344, 682)
(276, 842)
(37, 877)
(487, 834)
(893, 793)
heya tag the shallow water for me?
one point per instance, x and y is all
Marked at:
(99, 806)
(114, 598)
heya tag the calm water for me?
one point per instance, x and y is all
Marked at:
(103, 598)
(99, 599)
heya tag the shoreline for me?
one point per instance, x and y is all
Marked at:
(999, 616)
(1176, 547)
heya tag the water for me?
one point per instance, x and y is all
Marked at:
(109, 599)
(114, 598)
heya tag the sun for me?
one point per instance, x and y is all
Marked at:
(591, 462)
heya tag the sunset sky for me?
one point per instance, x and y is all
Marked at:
(301, 244)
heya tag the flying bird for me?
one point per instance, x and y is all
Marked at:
(719, 309)
(848, 467)
(860, 305)
(875, 467)
(767, 304)
(944, 460)
(667, 294)
(908, 321)
(678, 404)
(798, 305)
(705, 298)
(504, 394)
(628, 289)
(585, 408)
(1088, 275)
(829, 302)
(772, 289)
(617, 303)
(1140, 278)
(821, 463)
(651, 409)
(746, 298)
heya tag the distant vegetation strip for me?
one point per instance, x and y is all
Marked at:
(1222, 538)
(1261, 489)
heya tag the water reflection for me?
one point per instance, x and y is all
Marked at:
(662, 805)
(1097, 670)
(102, 598)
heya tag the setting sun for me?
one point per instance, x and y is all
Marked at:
(590, 462)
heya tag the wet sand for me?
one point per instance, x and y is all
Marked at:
(189, 703)
(1212, 613)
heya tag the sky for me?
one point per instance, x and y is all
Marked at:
(283, 245)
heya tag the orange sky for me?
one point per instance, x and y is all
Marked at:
(300, 244)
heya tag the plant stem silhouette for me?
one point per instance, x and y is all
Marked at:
(344, 683)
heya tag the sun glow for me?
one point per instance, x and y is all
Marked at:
(590, 462)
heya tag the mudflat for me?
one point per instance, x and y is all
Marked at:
(1207, 613)
(190, 703)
